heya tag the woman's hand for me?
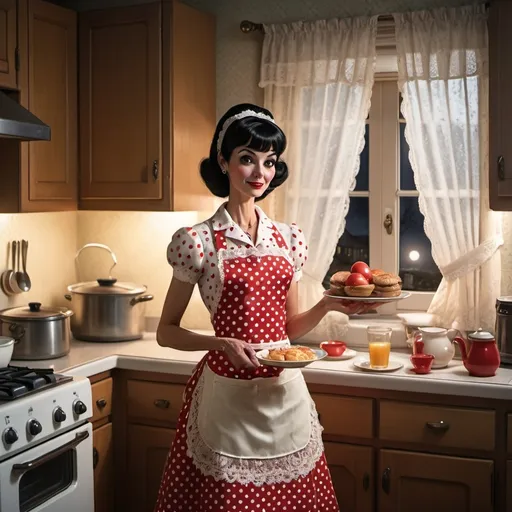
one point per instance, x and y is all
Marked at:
(349, 308)
(240, 353)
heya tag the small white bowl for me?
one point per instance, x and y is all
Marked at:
(6, 349)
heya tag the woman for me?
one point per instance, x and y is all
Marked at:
(248, 436)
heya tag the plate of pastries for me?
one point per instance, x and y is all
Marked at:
(363, 283)
(290, 357)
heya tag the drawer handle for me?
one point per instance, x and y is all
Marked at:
(438, 426)
(366, 481)
(101, 403)
(386, 480)
(95, 458)
(162, 404)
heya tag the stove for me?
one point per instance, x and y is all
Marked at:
(45, 441)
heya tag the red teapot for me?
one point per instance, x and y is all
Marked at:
(483, 357)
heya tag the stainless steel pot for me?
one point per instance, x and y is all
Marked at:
(38, 332)
(106, 310)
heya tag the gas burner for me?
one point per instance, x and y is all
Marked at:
(18, 381)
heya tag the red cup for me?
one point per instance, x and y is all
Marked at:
(333, 348)
(422, 362)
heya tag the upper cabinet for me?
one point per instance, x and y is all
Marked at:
(147, 106)
(500, 105)
(42, 176)
(8, 32)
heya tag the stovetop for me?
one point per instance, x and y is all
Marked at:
(18, 381)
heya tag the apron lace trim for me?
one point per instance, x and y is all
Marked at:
(245, 471)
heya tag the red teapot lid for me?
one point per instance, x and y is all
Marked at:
(480, 335)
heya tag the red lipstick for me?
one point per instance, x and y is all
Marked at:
(255, 184)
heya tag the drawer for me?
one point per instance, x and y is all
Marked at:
(155, 401)
(509, 434)
(101, 399)
(453, 427)
(343, 416)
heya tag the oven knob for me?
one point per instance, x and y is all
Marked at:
(59, 415)
(10, 435)
(34, 427)
(79, 407)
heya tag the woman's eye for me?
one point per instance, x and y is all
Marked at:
(270, 163)
(245, 159)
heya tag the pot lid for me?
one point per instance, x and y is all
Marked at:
(34, 311)
(481, 336)
(504, 300)
(107, 287)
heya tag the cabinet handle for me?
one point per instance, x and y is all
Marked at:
(386, 480)
(162, 404)
(95, 458)
(101, 402)
(438, 426)
(155, 170)
(366, 481)
(501, 167)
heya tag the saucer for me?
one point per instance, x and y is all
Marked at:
(364, 364)
(419, 371)
(348, 354)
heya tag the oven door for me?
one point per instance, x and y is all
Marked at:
(55, 476)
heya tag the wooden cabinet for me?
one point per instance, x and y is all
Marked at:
(8, 44)
(148, 448)
(509, 485)
(421, 482)
(500, 105)
(352, 474)
(103, 462)
(42, 175)
(147, 106)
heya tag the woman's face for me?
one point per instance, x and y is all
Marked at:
(250, 172)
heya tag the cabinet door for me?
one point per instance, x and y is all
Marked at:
(50, 169)
(422, 483)
(500, 103)
(148, 448)
(120, 114)
(351, 470)
(103, 459)
(509, 485)
(8, 32)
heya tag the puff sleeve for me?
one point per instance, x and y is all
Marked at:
(298, 249)
(185, 254)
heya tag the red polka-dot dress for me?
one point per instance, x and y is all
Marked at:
(244, 285)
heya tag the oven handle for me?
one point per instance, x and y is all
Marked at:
(81, 436)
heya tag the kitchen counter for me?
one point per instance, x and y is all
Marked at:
(87, 359)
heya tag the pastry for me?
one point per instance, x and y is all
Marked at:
(291, 354)
(377, 272)
(387, 285)
(362, 290)
(337, 283)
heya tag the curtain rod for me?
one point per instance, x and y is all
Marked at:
(247, 26)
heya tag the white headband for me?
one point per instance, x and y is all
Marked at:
(230, 120)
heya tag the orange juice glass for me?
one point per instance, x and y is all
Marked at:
(379, 346)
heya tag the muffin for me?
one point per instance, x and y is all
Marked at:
(387, 285)
(337, 283)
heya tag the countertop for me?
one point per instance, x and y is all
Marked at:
(87, 359)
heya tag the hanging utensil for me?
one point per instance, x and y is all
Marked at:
(9, 284)
(20, 276)
(25, 278)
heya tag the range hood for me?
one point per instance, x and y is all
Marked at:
(16, 122)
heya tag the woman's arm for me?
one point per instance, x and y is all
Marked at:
(170, 334)
(299, 324)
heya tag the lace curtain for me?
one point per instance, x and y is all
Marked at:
(443, 77)
(317, 79)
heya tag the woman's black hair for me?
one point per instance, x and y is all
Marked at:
(253, 132)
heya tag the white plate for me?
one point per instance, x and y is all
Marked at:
(402, 296)
(348, 354)
(320, 354)
(364, 364)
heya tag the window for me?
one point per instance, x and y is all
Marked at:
(385, 187)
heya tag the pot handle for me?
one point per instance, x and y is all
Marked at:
(17, 332)
(142, 298)
(99, 246)
(68, 297)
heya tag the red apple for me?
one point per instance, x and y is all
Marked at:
(360, 267)
(356, 279)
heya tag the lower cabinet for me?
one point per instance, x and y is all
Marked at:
(103, 461)
(422, 482)
(148, 448)
(352, 471)
(509, 485)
